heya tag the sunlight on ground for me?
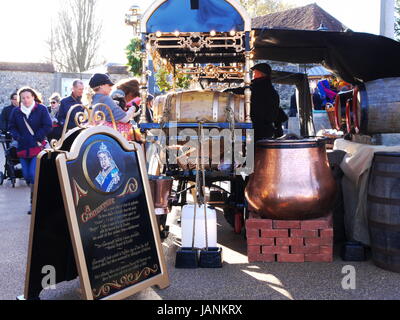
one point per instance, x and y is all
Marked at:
(230, 256)
(272, 281)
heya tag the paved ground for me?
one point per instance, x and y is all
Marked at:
(238, 279)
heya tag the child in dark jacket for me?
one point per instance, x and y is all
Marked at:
(29, 125)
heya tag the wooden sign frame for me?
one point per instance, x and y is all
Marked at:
(160, 278)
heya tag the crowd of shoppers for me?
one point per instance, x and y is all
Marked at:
(30, 125)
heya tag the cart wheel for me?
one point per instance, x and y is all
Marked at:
(238, 222)
(1, 178)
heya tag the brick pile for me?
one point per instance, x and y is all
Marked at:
(289, 241)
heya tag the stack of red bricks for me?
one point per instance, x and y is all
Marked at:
(289, 241)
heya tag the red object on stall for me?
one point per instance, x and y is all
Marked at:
(338, 119)
(289, 241)
(355, 109)
(348, 116)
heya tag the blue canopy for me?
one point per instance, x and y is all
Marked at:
(195, 16)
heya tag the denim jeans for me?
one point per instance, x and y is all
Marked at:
(28, 169)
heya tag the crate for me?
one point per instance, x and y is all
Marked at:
(289, 240)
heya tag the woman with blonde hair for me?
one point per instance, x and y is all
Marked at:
(55, 100)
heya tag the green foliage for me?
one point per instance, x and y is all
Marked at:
(133, 51)
(183, 81)
(162, 80)
(257, 8)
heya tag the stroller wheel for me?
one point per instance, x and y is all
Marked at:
(1, 178)
(13, 181)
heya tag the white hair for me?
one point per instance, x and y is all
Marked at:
(77, 82)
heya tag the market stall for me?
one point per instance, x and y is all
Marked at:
(213, 41)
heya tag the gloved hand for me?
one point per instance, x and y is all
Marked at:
(14, 144)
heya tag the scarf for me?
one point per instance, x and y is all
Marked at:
(27, 110)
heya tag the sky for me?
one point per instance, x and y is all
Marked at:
(25, 24)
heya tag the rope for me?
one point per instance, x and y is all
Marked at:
(195, 197)
(167, 109)
(230, 115)
(204, 183)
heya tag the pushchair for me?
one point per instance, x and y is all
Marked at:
(12, 165)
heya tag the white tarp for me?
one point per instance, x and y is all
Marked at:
(356, 166)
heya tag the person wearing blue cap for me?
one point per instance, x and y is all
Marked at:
(102, 85)
(264, 102)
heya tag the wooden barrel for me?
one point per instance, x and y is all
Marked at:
(195, 106)
(384, 210)
(379, 106)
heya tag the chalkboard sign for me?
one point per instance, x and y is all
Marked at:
(110, 216)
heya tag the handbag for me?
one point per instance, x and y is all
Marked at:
(126, 129)
(33, 151)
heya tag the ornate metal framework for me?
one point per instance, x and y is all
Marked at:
(213, 72)
(89, 117)
(188, 51)
(197, 41)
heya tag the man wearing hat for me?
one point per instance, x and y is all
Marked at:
(264, 102)
(102, 86)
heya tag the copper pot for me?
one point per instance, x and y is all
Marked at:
(292, 180)
(161, 188)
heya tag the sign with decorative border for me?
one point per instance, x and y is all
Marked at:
(93, 215)
(111, 216)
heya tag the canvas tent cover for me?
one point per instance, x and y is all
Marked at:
(354, 57)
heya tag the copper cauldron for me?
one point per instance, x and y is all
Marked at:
(292, 180)
(160, 187)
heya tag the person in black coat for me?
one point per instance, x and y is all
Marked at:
(75, 98)
(264, 102)
(5, 117)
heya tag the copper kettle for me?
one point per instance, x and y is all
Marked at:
(161, 188)
(292, 180)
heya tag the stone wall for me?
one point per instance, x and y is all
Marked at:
(44, 79)
(10, 81)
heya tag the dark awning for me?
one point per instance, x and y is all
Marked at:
(354, 57)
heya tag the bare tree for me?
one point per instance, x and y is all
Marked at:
(397, 20)
(75, 38)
